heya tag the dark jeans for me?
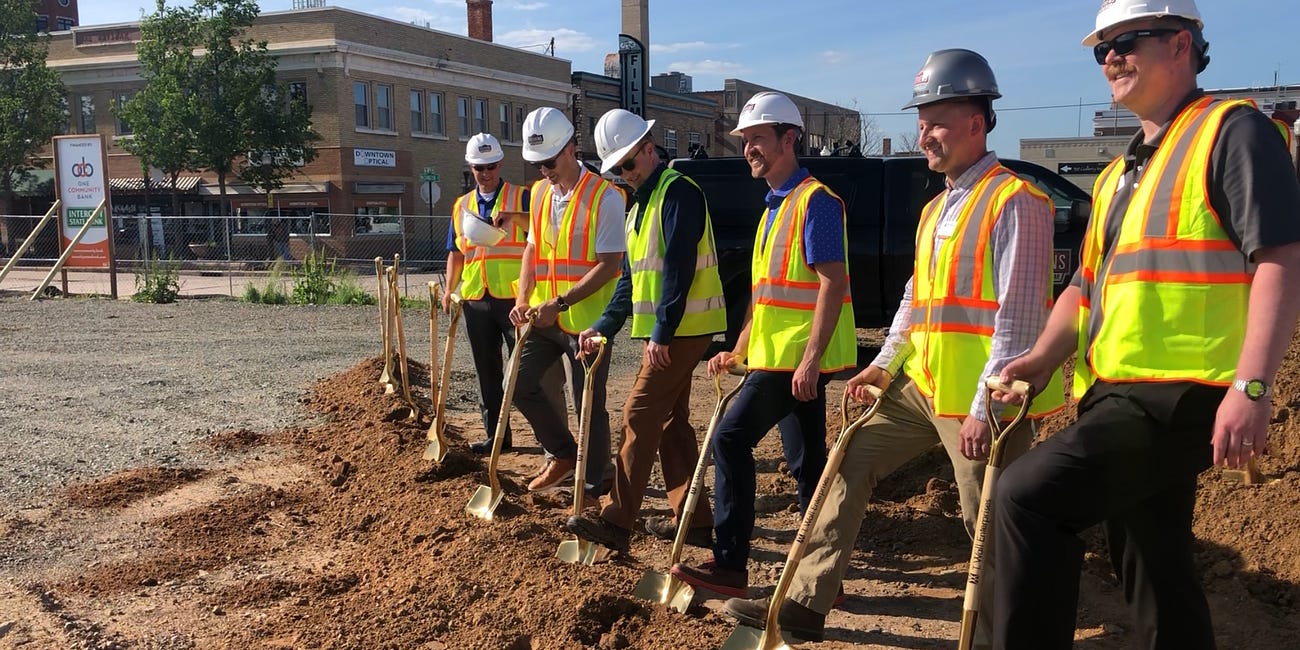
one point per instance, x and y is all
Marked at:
(1129, 462)
(764, 400)
(488, 327)
(544, 347)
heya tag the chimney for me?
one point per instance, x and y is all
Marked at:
(636, 23)
(886, 147)
(480, 19)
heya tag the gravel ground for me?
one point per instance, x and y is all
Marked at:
(90, 387)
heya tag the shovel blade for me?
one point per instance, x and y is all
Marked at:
(484, 502)
(580, 551)
(664, 589)
(436, 451)
(745, 637)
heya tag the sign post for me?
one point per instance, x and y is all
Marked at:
(430, 192)
(80, 170)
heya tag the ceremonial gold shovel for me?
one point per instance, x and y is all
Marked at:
(486, 499)
(579, 550)
(437, 449)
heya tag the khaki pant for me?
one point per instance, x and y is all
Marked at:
(657, 423)
(904, 428)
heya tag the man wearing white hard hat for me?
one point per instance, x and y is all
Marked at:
(570, 266)
(484, 248)
(671, 288)
(1179, 315)
(799, 332)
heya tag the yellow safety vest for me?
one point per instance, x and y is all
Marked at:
(706, 310)
(954, 299)
(563, 257)
(1168, 301)
(784, 293)
(495, 268)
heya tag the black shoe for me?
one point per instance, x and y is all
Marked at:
(596, 529)
(485, 446)
(666, 528)
(802, 623)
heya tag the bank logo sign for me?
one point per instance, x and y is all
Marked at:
(81, 184)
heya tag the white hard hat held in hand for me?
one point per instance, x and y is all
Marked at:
(483, 149)
(478, 231)
(1114, 12)
(768, 107)
(546, 130)
(617, 132)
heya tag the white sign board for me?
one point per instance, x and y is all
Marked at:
(374, 158)
(81, 173)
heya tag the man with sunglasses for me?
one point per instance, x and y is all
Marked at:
(1179, 315)
(798, 333)
(570, 266)
(484, 276)
(671, 287)
(950, 331)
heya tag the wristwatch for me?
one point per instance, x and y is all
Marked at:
(559, 302)
(1255, 389)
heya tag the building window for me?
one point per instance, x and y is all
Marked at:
(298, 91)
(42, 23)
(384, 107)
(377, 220)
(520, 112)
(64, 24)
(122, 127)
(435, 114)
(730, 98)
(361, 100)
(670, 142)
(417, 111)
(462, 115)
(505, 122)
(87, 122)
(480, 116)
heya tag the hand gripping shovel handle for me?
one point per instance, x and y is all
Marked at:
(771, 636)
(983, 521)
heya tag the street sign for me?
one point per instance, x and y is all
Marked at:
(1081, 167)
(430, 192)
(428, 175)
(632, 69)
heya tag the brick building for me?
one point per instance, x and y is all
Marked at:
(56, 15)
(389, 99)
(680, 120)
(824, 123)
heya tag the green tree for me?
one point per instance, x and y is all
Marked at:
(32, 101)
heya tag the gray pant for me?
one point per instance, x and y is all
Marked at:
(905, 427)
(544, 347)
(487, 326)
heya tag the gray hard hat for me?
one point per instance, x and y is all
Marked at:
(953, 74)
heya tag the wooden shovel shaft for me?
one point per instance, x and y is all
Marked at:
(433, 353)
(381, 297)
(503, 419)
(584, 424)
(440, 402)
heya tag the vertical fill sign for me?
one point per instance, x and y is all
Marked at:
(632, 68)
(81, 178)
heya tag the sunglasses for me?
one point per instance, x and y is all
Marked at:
(625, 166)
(485, 168)
(1125, 43)
(549, 163)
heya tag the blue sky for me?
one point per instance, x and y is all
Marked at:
(861, 53)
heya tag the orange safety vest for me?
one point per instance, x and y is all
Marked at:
(562, 258)
(492, 269)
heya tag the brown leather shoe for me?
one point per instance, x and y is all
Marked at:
(556, 473)
(666, 528)
(708, 575)
(596, 529)
(802, 623)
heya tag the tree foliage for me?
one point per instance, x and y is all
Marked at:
(32, 99)
(215, 93)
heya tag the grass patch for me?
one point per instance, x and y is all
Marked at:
(158, 281)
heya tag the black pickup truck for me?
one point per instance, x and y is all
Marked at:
(883, 198)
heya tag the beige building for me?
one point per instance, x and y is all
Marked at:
(389, 99)
(824, 123)
(680, 120)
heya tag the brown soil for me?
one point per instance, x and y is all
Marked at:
(339, 535)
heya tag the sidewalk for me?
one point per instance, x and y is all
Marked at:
(194, 283)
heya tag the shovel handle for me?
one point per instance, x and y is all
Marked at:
(1019, 386)
(584, 425)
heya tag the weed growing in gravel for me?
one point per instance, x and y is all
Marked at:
(272, 291)
(158, 281)
(349, 292)
(321, 281)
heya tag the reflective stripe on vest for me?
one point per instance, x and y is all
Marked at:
(784, 293)
(954, 299)
(1168, 301)
(494, 268)
(559, 266)
(706, 311)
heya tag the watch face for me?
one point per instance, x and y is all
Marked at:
(1255, 389)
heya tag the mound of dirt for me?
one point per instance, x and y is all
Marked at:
(128, 486)
(235, 440)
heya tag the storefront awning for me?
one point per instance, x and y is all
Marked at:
(244, 190)
(185, 184)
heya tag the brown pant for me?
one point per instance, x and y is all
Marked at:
(657, 421)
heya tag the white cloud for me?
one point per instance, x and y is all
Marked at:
(567, 40)
(526, 6)
(833, 57)
(707, 67)
(422, 17)
(688, 46)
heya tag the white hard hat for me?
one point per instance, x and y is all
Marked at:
(616, 133)
(478, 231)
(483, 149)
(1114, 12)
(546, 131)
(768, 107)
